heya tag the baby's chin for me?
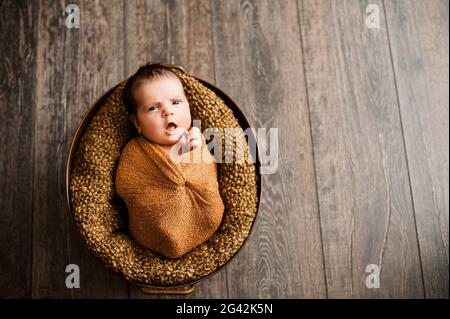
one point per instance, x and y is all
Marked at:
(170, 139)
(167, 138)
(176, 134)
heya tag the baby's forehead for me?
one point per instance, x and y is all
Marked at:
(165, 77)
(162, 87)
(166, 80)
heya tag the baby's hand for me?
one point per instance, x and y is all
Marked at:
(190, 140)
(194, 138)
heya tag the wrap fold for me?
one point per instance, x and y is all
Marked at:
(172, 206)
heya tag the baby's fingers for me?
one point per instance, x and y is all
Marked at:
(195, 143)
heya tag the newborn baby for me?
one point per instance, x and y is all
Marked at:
(173, 201)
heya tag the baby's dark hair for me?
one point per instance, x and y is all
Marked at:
(146, 72)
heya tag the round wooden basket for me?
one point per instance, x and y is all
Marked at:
(100, 216)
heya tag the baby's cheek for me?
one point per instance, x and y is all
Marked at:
(188, 115)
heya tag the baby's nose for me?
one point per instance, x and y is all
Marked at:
(167, 110)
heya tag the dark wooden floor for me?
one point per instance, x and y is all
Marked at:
(363, 118)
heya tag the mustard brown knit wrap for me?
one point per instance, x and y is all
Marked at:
(172, 206)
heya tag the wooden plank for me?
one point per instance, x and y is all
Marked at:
(75, 66)
(362, 178)
(419, 40)
(177, 32)
(258, 62)
(146, 28)
(18, 23)
(100, 66)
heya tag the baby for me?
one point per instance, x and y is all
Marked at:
(160, 110)
(173, 205)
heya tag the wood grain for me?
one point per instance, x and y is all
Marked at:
(419, 40)
(99, 67)
(18, 25)
(258, 61)
(74, 67)
(362, 178)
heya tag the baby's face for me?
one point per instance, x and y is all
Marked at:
(162, 114)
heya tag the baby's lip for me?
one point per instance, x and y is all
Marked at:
(174, 131)
(171, 122)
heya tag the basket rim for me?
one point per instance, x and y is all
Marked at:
(243, 122)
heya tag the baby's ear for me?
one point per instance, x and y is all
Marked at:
(133, 119)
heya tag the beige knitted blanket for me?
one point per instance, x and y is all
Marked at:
(172, 206)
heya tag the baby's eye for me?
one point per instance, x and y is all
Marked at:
(176, 102)
(152, 108)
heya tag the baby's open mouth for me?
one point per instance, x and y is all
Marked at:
(171, 127)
